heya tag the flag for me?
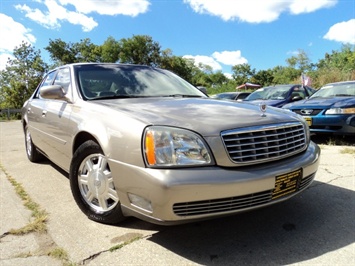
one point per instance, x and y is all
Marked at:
(306, 81)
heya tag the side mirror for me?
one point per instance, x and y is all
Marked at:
(54, 92)
(296, 98)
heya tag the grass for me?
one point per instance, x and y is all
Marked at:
(37, 223)
(39, 216)
(348, 151)
(119, 246)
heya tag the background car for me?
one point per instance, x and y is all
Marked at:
(331, 110)
(140, 141)
(231, 95)
(280, 95)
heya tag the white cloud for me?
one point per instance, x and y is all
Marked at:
(109, 7)
(343, 32)
(3, 59)
(302, 6)
(15, 33)
(230, 58)
(51, 19)
(59, 11)
(206, 60)
(256, 11)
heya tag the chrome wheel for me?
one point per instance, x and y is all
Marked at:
(96, 183)
(28, 143)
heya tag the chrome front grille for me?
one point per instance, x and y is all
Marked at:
(265, 143)
(222, 205)
(234, 204)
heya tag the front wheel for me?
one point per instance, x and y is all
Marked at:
(92, 184)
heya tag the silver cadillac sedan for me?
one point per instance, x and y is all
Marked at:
(140, 141)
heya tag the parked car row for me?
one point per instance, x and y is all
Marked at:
(329, 110)
(279, 95)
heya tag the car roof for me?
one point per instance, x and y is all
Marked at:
(100, 64)
(340, 82)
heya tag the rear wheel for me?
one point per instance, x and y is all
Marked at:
(31, 150)
(92, 184)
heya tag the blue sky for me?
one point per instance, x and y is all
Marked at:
(220, 33)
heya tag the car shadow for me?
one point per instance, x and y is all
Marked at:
(318, 221)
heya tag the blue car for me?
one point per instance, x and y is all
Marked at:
(279, 95)
(331, 110)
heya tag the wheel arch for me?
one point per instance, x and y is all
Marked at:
(82, 137)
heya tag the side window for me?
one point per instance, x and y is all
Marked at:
(63, 78)
(47, 80)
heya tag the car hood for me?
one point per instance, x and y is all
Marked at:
(322, 103)
(206, 116)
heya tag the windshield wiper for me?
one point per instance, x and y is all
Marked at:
(182, 96)
(343, 95)
(117, 97)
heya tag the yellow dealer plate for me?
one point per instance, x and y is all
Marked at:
(287, 183)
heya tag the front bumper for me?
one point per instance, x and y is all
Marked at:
(333, 124)
(174, 194)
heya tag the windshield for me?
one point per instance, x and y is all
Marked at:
(259, 94)
(124, 81)
(336, 90)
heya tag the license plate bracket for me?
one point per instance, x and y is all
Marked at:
(287, 183)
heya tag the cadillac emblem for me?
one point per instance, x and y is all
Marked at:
(262, 107)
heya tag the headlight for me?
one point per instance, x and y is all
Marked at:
(168, 146)
(336, 111)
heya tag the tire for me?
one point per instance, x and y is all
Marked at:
(31, 150)
(92, 185)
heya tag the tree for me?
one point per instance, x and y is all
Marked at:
(110, 50)
(177, 64)
(286, 75)
(140, 49)
(242, 73)
(301, 61)
(61, 52)
(263, 78)
(21, 76)
(86, 51)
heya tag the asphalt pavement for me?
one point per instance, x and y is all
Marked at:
(316, 227)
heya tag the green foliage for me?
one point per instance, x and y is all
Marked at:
(242, 73)
(110, 50)
(180, 66)
(263, 78)
(21, 76)
(140, 49)
(286, 75)
(337, 66)
(24, 72)
(61, 52)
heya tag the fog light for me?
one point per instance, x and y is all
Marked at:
(140, 202)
